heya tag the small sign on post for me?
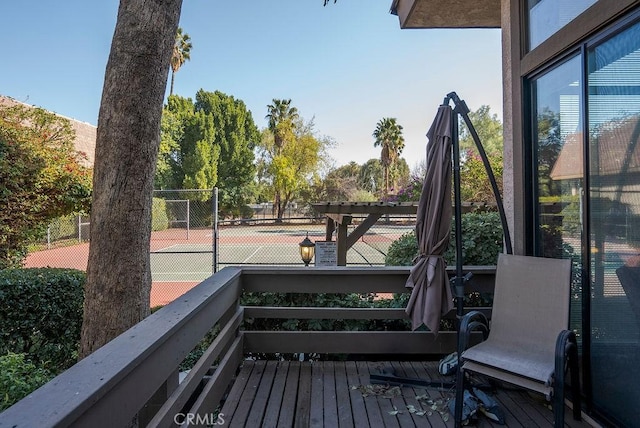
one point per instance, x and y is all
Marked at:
(326, 253)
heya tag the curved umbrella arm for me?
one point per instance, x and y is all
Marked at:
(462, 109)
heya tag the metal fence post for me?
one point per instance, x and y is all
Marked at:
(215, 229)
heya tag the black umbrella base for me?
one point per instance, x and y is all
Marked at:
(387, 376)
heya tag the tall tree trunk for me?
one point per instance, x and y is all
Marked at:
(278, 206)
(386, 182)
(118, 274)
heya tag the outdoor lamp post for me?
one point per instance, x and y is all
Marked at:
(307, 249)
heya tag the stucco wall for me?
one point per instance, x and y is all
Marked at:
(507, 117)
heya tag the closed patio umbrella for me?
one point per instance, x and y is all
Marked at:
(431, 296)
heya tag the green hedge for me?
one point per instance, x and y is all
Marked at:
(159, 218)
(41, 315)
(327, 300)
(482, 241)
(18, 377)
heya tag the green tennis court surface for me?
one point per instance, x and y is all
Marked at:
(181, 259)
(194, 262)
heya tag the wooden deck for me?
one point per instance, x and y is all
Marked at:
(339, 394)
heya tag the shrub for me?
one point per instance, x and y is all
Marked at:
(41, 178)
(481, 242)
(159, 218)
(18, 378)
(246, 211)
(350, 300)
(482, 239)
(411, 192)
(362, 195)
(41, 315)
(476, 185)
(402, 251)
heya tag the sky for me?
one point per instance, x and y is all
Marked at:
(346, 66)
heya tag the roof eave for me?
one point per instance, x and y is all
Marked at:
(447, 13)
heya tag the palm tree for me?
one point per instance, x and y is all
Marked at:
(388, 135)
(181, 54)
(281, 118)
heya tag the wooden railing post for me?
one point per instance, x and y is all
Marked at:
(158, 399)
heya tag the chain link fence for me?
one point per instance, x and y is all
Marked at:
(188, 242)
(271, 241)
(72, 229)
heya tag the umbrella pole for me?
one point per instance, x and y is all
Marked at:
(458, 279)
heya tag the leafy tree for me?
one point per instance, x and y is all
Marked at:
(118, 287)
(236, 136)
(341, 184)
(198, 153)
(289, 169)
(171, 133)
(353, 182)
(388, 135)
(400, 174)
(176, 124)
(40, 177)
(489, 129)
(180, 54)
(475, 185)
(549, 147)
(206, 143)
(352, 169)
(371, 177)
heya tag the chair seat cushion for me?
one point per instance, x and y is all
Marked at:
(538, 366)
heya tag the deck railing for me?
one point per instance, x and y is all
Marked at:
(135, 376)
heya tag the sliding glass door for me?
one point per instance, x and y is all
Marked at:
(557, 160)
(613, 84)
(585, 160)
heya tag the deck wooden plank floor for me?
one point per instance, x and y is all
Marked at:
(330, 394)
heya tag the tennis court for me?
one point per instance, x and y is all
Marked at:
(179, 260)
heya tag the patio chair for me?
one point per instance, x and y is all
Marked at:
(528, 344)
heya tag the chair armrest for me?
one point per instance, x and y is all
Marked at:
(474, 320)
(566, 356)
(565, 344)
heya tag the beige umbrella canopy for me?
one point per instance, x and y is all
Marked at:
(431, 296)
